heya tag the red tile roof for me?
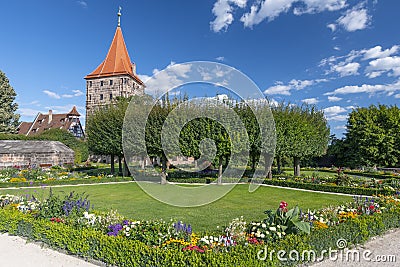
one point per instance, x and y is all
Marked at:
(117, 61)
(23, 128)
(44, 122)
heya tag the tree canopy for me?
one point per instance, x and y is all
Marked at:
(9, 120)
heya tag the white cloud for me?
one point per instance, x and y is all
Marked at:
(337, 118)
(220, 58)
(75, 94)
(334, 110)
(164, 80)
(222, 11)
(28, 112)
(381, 65)
(340, 127)
(366, 88)
(334, 98)
(310, 101)
(397, 96)
(266, 9)
(82, 4)
(52, 94)
(377, 52)
(355, 19)
(317, 6)
(337, 48)
(334, 113)
(270, 9)
(66, 108)
(332, 26)
(280, 89)
(346, 69)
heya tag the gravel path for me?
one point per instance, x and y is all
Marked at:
(16, 252)
(379, 251)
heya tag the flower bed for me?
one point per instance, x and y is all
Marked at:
(69, 223)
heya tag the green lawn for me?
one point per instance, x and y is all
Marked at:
(133, 203)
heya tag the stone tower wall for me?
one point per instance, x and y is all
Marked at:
(101, 91)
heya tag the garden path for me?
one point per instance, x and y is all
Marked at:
(382, 251)
(16, 252)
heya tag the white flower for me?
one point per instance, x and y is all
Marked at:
(262, 235)
(258, 234)
(263, 225)
(279, 234)
(272, 228)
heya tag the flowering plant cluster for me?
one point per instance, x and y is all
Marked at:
(166, 234)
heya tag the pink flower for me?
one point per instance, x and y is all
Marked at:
(283, 205)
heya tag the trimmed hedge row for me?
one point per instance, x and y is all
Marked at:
(93, 244)
(363, 174)
(330, 188)
(65, 182)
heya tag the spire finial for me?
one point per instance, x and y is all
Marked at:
(119, 16)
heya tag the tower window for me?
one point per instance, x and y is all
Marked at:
(126, 80)
(90, 83)
(111, 82)
(101, 83)
(110, 96)
(90, 97)
(101, 96)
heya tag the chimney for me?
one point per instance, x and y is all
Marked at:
(50, 116)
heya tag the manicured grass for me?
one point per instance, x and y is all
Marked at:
(133, 203)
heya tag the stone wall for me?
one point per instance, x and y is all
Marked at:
(101, 91)
(47, 159)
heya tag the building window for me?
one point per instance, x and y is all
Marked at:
(110, 96)
(111, 82)
(101, 96)
(90, 97)
(101, 83)
(90, 83)
(126, 81)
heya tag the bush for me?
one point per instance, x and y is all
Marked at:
(329, 188)
(91, 243)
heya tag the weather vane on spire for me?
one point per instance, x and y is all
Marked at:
(119, 16)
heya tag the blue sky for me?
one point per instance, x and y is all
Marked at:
(337, 54)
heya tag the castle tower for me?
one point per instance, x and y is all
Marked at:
(115, 76)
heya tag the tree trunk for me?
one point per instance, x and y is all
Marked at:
(163, 170)
(143, 162)
(126, 169)
(253, 163)
(220, 170)
(296, 161)
(120, 166)
(267, 166)
(278, 163)
(112, 165)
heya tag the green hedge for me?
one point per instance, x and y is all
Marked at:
(363, 174)
(65, 182)
(89, 243)
(329, 188)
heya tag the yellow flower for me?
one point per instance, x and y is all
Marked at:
(320, 225)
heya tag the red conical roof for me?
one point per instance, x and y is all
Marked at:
(117, 61)
(74, 112)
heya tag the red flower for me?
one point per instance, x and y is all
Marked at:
(371, 207)
(283, 205)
